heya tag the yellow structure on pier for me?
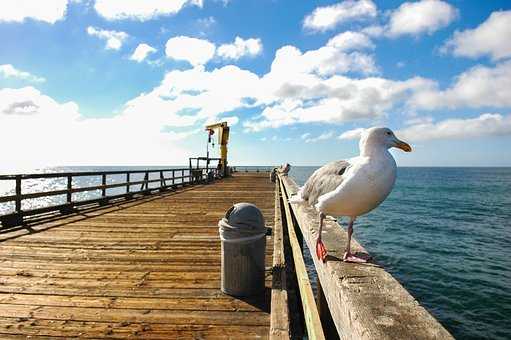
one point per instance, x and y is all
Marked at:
(222, 131)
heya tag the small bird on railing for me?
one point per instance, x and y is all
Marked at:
(284, 169)
(355, 186)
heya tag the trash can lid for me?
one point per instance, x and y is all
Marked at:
(241, 221)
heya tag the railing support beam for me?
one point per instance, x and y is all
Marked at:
(16, 217)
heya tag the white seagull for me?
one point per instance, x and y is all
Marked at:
(355, 186)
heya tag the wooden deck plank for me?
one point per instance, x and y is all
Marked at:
(51, 329)
(147, 268)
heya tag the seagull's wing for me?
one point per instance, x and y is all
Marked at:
(324, 180)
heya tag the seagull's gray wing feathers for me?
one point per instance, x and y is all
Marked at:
(325, 179)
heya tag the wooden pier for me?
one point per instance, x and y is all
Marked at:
(146, 268)
(149, 267)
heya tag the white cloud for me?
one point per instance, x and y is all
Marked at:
(9, 71)
(309, 82)
(349, 40)
(487, 124)
(195, 95)
(301, 87)
(323, 136)
(312, 87)
(490, 38)
(232, 120)
(239, 48)
(352, 134)
(193, 50)
(28, 101)
(334, 100)
(425, 16)
(480, 86)
(141, 52)
(141, 10)
(325, 61)
(172, 135)
(373, 31)
(305, 135)
(28, 112)
(49, 11)
(328, 17)
(114, 39)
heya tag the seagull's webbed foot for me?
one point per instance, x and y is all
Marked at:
(352, 258)
(321, 252)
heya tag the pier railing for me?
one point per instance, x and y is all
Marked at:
(152, 180)
(252, 168)
(354, 301)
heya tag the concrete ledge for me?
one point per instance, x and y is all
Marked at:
(364, 300)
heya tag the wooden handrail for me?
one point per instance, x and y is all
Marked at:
(71, 190)
(279, 316)
(86, 173)
(364, 301)
(16, 217)
(310, 310)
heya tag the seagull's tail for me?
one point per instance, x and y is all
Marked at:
(297, 198)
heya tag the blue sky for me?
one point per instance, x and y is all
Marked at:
(296, 79)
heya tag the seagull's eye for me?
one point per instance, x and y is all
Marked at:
(389, 133)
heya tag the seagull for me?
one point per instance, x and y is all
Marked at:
(355, 186)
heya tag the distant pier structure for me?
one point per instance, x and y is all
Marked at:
(141, 259)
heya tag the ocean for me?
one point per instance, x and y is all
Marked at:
(444, 233)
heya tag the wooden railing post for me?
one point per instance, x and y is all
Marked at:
(18, 194)
(127, 182)
(146, 183)
(103, 183)
(173, 177)
(69, 197)
(162, 181)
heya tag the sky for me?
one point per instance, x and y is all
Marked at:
(109, 82)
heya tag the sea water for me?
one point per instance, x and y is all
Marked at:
(444, 233)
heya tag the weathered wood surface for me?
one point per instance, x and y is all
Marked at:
(143, 269)
(279, 322)
(364, 300)
(310, 311)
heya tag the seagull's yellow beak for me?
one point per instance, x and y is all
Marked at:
(403, 146)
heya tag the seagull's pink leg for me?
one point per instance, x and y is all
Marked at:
(320, 247)
(348, 256)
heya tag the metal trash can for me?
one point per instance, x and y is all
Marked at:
(243, 236)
